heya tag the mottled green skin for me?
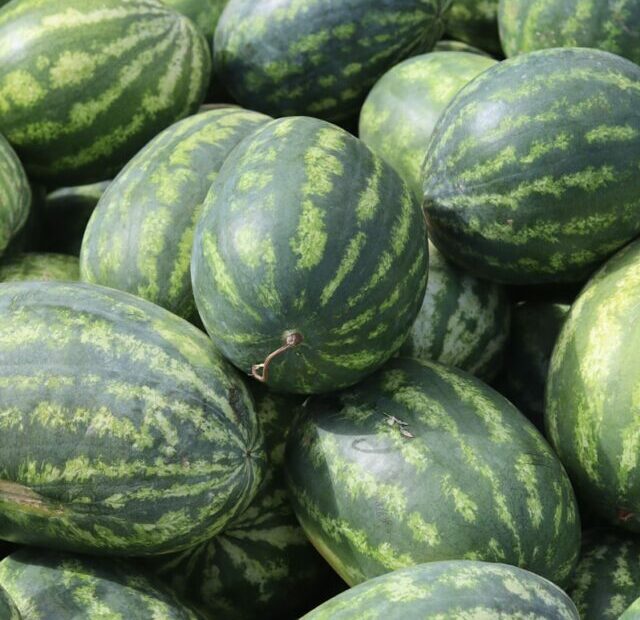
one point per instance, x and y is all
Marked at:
(607, 578)
(318, 57)
(290, 241)
(457, 46)
(535, 327)
(93, 82)
(40, 267)
(531, 176)
(473, 479)
(475, 22)
(529, 25)
(48, 585)
(15, 195)
(262, 565)
(8, 609)
(457, 590)
(203, 13)
(633, 612)
(463, 322)
(593, 391)
(401, 112)
(151, 442)
(140, 236)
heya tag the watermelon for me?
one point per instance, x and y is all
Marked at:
(289, 264)
(529, 25)
(50, 585)
(422, 463)
(140, 236)
(451, 590)
(318, 57)
(402, 110)
(203, 13)
(8, 609)
(633, 612)
(457, 46)
(92, 82)
(535, 327)
(592, 392)
(463, 321)
(475, 22)
(40, 267)
(262, 565)
(15, 195)
(123, 430)
(607, 578)
(531, 175)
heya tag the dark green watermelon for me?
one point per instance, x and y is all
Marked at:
(421, 463)
(39, 267)
(475, 22)
(290, 268)
(15, 195)
(531, 176)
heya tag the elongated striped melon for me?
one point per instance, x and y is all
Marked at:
(15, 195)
(92, 82)
(123, 431)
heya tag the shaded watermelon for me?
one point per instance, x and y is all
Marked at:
(290, 267)
(140, 236)
(475, 22)
(421, 463)
(451, 591)
(531, 175)
(39, 267)
(15, 195)
(93, 81)
(123, 430)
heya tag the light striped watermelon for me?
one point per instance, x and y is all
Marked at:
(140, 236)
(592, 392)
(91, 82)
(607, 578)
(123, 431)
(459, 590)
(15, 195)
(402, 110)
(8, 609)
(529, 25)
(39, 267)
(531, 175)
(421, 463)
(290, 253)
(475, 22)
(46, 585)
(262, 565)
(463, 322)
(318, 57)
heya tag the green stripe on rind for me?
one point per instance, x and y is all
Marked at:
(592, 396)
(402, 110)
(15, 195)
(8, 609)
(475, 22)
(140, 236)
(463, 322)
(39, 267)
(531, 175)
(48, 585)
(451, 591)
(607, 578)
(317, 57)
(92, 83)
(262, 565)
(529, 25)
(290, 240)
(122, 431)
(422, 463)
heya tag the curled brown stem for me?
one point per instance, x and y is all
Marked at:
(291, 340)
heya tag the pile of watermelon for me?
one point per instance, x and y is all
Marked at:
(319, 308)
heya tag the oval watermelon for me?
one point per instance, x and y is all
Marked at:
(402, 110)
(463, 322)
(60, 586)
(123, 431)
(451, 590)
(15, 195)
(318, 57)
(592, 391)
(531, 174)
(40, 267)
(93, 81)
(140, 236)
(8, 609)
(289, 257)
(529, 25)
(475, 22)
(420, 463)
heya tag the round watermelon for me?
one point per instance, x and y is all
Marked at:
(475, 22)
(15, 195)
(531, 175)
(39, 267)
(421, 463)
(292, 276)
